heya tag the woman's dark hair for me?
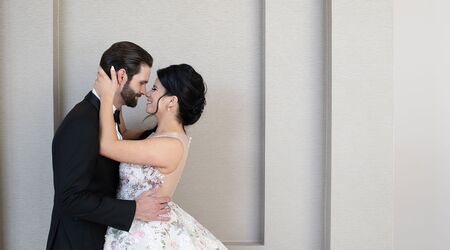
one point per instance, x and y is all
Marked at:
(187, 85)
(125, 55)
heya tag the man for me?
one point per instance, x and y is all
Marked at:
(85, 183)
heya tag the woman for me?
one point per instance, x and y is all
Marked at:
(177, 100)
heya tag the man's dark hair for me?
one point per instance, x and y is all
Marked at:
(125, 55)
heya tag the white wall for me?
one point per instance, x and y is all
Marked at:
(422, 124)
(359, 214)
(361, 125)
(26, 122)
(284, 77)
(294, 152)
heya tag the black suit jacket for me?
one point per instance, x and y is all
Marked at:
(85, 184)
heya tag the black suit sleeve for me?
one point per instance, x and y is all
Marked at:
(75, 152)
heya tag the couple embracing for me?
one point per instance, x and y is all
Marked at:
(113, 185)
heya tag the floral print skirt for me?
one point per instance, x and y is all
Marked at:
(181, 232)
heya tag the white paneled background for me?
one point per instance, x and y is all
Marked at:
(256, 175)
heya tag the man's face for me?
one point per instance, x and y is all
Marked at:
(136, 87)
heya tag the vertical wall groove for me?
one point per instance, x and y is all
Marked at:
(263, 121)
(327, 122)
(57, 110)
(3, 35)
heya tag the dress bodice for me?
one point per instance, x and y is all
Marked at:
(135, 179)
(182, 231)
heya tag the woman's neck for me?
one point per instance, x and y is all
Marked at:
(168, 124)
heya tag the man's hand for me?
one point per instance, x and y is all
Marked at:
(149, 207)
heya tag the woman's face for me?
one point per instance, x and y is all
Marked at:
(153, 96)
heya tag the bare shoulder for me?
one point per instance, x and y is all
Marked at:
(166, 142)
(168, 151)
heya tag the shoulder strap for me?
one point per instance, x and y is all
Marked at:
(180, 136)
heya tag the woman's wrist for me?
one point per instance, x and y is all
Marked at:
(106, 99)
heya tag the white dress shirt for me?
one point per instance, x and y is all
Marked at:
(119, 135)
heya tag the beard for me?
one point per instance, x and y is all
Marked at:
(130, 97)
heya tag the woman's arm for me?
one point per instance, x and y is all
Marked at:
(164, 153)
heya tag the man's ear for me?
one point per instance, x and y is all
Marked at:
(122, 76)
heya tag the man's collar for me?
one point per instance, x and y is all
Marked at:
(98, 97)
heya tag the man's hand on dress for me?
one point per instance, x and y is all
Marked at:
(149, 207)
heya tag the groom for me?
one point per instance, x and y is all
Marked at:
(85, 183)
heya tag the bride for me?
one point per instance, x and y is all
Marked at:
(177, 100)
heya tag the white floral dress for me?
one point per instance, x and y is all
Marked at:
(181, 232)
